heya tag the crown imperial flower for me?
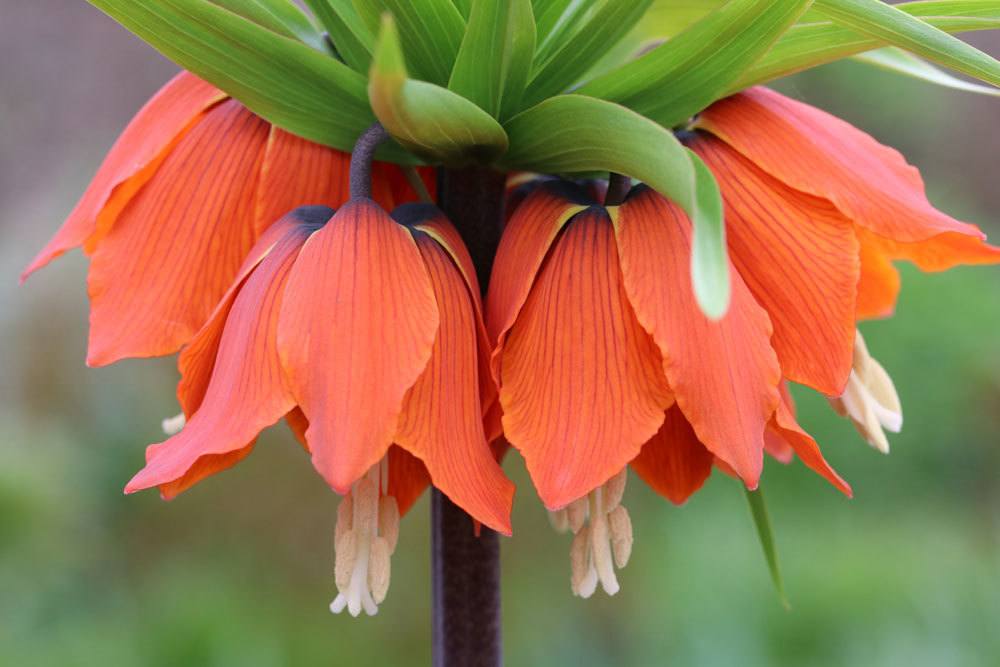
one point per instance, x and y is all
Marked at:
(375, 366)
(604, 359)
(177, 205)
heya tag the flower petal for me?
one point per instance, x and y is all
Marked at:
(136, 155)
(724, 374)
(526, 241)
(408, 478)
(442, 421)
(432, 221)
(939, 253)
(581, 386)
(785, 427)
(160, 271)
(248, 390)
(799, 257)
(297, 172)
(879, 283)
(674, 462)
(357, 327)
(820, 154)
(197, 360)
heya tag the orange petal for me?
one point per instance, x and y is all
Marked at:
(526, 241)
(136, 155)
(799, 257)
(878, 284)
(407, 478)
(442, 421)
(817, 153)
(432, 221)
(296, 172)
(774, 444)
(939, 253)
(248, 390)
(357, 327)
(160, 271)
(407, 475)
(674, 463)
(298, 424)
(724, 374)
(197, 360)
(581, 385)
(785, 427)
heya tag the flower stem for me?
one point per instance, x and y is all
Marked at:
(361, 160)
(618, 187)
(466, 568)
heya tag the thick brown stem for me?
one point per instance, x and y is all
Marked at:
(466, 568)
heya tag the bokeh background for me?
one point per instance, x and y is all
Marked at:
(238, 571)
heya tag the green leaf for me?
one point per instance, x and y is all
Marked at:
(901, 62)
(281, 16)
(573, 133)
(611, 21)
(431, 121)
(284, 81)
(766, 535)
(495, 58)
(686, 73)
(465, 7)
(897, 28)
(549, 14)
(810, 44)
(349, 33)
(667, 18)
(430, 32)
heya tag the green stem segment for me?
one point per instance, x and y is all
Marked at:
(466, 567)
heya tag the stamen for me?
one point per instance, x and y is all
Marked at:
(602, 537)
(365, 538)
(870, 399)
(173, 425)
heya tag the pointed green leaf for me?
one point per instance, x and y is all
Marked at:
(897, 28)
(430, 33)
(284, 81)
(432, 122)
(573, 133)
(611, 21)
(766, 535)
(686, 73)
(902, 62)
(495, 58)
(549, 14)
(810, 44)
(465, 7)
(281, 16)
(348, 32)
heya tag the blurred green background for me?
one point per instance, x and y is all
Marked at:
(239, 570)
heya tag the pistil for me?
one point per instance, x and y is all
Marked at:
(366, 535)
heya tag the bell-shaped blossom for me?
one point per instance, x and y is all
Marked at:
(365, 331)
(179, 201)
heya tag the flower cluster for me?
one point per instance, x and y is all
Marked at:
(213, 233)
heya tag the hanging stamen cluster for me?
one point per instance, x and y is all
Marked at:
(602, 536)
(366, 534)
(870, 399)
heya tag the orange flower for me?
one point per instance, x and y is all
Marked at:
(604, 359)
(366, 333)
(176, 206)
(816, 213)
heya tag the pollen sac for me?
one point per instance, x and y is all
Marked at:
(602, 537)
(870, 399)
(366, 534)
